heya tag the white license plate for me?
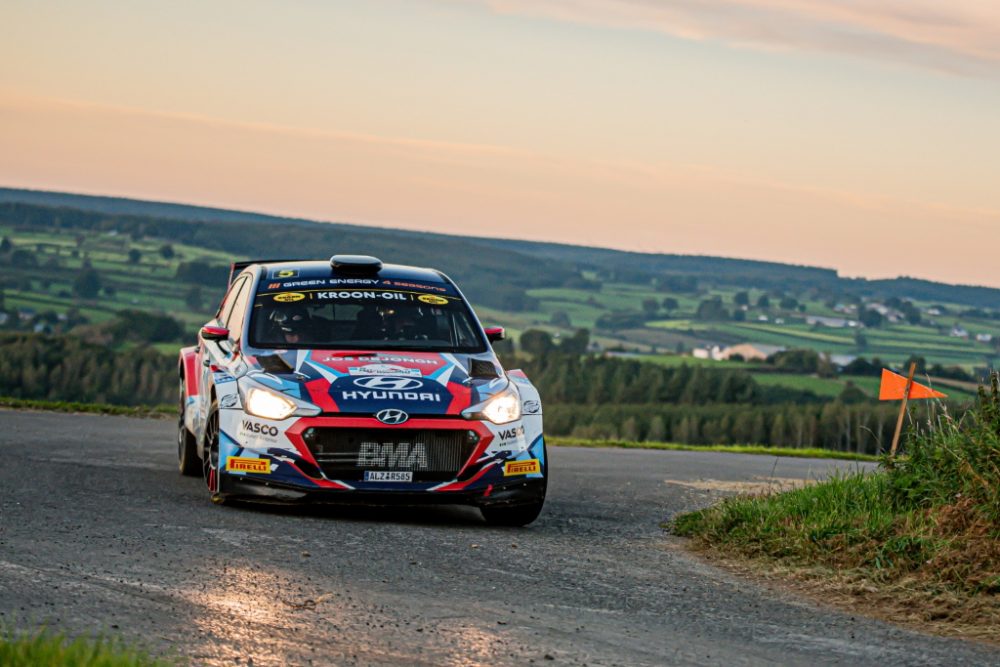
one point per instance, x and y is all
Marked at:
(388, 476)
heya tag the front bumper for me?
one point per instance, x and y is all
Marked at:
(288, 470)
(252, 489)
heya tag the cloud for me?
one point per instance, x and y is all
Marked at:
(960, 36)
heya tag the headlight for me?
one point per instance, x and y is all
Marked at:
(267, 404)
(504, 407)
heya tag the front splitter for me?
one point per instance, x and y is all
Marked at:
(515, 493)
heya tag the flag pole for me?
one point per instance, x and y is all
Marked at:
(902, 409)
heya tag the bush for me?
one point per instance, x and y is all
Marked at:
(931, 517)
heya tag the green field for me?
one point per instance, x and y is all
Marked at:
(825, 387)
(151, 284)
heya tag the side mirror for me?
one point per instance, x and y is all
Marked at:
(493, 334)
(214, 333)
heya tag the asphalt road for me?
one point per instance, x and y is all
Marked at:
(99, 533)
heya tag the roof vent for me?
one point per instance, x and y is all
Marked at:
(356, 263)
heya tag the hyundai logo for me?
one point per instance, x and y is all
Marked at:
(388, 383)
(391, 416)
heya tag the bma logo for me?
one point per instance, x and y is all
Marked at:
(261, 429)
(388, 383)
(391, 416)
(395, 455)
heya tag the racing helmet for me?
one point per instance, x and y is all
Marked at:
(291, 320)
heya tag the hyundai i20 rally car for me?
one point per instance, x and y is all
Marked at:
(350, 380)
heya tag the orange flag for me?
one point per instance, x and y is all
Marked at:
(894, 386)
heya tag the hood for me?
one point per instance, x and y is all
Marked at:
(364, 382)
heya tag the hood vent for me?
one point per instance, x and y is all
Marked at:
(480, 368)
(273, 363)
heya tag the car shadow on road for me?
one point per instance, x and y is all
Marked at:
(428, 515)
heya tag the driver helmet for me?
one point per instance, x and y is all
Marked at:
(291, 321)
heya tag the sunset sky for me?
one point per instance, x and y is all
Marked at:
(862, 135)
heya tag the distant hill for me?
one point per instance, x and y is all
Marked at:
(125, 206)
(477, 261)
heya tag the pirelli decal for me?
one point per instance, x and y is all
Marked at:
(243, 464)
(528, 467)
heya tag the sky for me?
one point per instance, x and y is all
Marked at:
(861, 135)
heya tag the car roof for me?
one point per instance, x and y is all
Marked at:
(321, 269)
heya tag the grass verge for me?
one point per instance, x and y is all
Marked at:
(806, 452)
(919, 538)
(45, 648)
(157, 412)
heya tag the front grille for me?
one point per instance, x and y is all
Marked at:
(432, 455)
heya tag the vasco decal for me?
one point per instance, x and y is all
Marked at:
(228, 401)
(522, 467)
(289, 296)
(244, 464)
(511, 433)
(222, 378)
(532, 407)
(260, 429)
(432, 299)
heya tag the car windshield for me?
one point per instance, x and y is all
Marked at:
(376, 318)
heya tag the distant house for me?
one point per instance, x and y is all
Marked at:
(762, 318)
(934, 312)
(832, 322)
(984, 338)
(890, 314)
(879, 308)
(959, 332)
(714, 353)
(750, 351)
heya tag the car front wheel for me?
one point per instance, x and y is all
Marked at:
(210, 461)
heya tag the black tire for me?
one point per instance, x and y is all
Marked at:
(512, 515)
(210, 460)
(188, 462)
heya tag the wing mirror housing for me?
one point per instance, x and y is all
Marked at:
(493, 334)
(214, 333)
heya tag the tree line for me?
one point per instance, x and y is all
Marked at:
(860, 427)
(584, 396)
(65, 368)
